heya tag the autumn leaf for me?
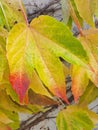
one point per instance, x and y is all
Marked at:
(72, 2)
(39, 99)
(4, 69)
(80, 81)
(4, 119)
(10, 13)
(94, 7)
(9, 110)
(40, 86)
(39, 47)
(90, 94)
(6, 103)
(75, 118)
(4, 127)
(86, 8)
(11, 119)
(90, 44)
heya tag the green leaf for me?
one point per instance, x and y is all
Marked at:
(80, 81)
(4, 119)
(86, 10)
(90, 94)
(66, 45)
(14, 118)
(76, 12)
(10, 13)
(75, 118)
(39, 47)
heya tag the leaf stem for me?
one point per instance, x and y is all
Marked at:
(75, 19)
(23, 11)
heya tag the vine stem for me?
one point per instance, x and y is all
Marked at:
(23, 11)
(75, 19)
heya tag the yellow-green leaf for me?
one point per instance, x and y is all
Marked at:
(4, 68)
(37, 86)
(85, 9)
(75, 118)
(79, 81)
(10, 13)
(4, 126)
(4, 119)
(39, 47)
(90, 94)
(90, 43)
(6, 103)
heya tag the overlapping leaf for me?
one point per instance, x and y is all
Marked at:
(39, 47)
(4, 69)
(72, 2)
(90, 94)
(9, 110)
(10, 13)
(79, 81)
(90, 43)
(75, 118)
(67, 11)
(4, 127)
(39, 99)
(86, 8)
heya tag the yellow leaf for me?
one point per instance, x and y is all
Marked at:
(86, 10)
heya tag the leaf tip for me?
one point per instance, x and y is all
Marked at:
(61, 93)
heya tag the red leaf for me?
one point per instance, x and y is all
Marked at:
(20, 84)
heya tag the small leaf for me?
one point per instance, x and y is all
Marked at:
(75, 118)
(6, 103)
(7, 20)
(79, 81)
(9, 110)
(39, 99)
(85, 9)
(90, 94)
(90, 43)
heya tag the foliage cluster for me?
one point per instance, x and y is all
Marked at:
(30, 66)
